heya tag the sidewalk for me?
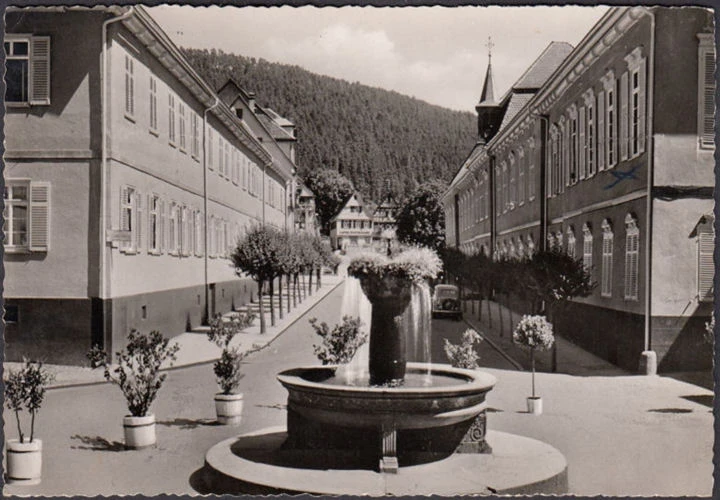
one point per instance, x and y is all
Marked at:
(194, 346)
(571, 359)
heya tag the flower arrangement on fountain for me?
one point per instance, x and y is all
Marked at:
(534, 333)
(414, 264)
(464, 355)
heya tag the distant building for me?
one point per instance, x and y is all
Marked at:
(606, 151)
(351, 227)
(305, 215)
(384, 224)
(128, 181)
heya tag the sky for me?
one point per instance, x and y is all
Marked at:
(436, 54)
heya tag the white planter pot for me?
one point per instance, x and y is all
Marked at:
(535, 405)
(229, 408)
(139, 431)
(24, 462)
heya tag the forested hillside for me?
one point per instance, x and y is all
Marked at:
(372, 136)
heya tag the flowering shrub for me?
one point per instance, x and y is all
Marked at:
(710, 330)
(414, 263)
(464, 355)
(534, 333)
(138, 371)
(222, 331)
(25, 389)
(340, 344)
(227, 369)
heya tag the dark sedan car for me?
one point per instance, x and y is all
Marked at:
(446, 301)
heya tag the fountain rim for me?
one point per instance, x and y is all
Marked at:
(474, 381)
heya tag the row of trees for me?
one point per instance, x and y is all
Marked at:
(543, 284)
(268, 255)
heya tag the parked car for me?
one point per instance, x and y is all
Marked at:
(446, 302)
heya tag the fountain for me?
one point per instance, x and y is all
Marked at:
(396, 418)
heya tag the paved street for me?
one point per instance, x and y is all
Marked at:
(622, 435)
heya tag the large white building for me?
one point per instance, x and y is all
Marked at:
(128, 181)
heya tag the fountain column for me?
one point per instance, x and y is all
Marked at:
(389, 296)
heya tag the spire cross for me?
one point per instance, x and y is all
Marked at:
(490, 46)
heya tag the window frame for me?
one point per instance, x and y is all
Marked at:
(587, 247)
(632, 258)
(129, 109)
(607, 259)
(706, 91)
(153, 111)
(37, 83)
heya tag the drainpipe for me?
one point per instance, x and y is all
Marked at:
(263, 194)
(206, 312)
(493, 208)
(651, 367)
(544, 125)
(103, 284)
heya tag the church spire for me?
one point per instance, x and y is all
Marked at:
(488, 95)
(489, 112)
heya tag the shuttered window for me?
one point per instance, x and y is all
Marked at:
(607, 260)
(590, 148)
(611, 111)
(210, 146)
(632, 252)
(513, 182)
(27, 70)
(154, 224)
(182, 126)
(195, 149)
(128, 218)
(587, 247)
(570, 242)
(522, 183)
(172, 229)
(600, 148)
(706, 268)
(171, 119)
(26, 216)
(636, 91)
(572, 146)
(531, 169)
(706, 91)
(624, 108)
(199, 239)
(153, 104)
(221, 157)
(129, 86)
(582, 142)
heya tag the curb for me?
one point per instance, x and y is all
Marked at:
(492, 343)
(251, 350)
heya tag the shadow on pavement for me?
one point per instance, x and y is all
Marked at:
(670, 410)
(702, 399)
(188, 423)
(97, 443)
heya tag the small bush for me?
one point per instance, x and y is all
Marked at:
(227, 370)
(464, 355)
(340, 344)
(25, 390)
(138, 371)
(223, 330)
(710, 330)
(534, 333)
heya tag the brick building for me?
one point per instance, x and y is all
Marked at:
(606, 150)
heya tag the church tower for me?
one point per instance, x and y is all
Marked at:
(489, 112)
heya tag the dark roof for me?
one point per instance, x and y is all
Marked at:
(544, 66)
(487, 96)
(515, 104)
(276, 131)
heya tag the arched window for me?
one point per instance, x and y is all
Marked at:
(607, 259)
(570, 233)
(587, 246)
(632, 252)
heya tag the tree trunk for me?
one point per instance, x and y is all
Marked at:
(20, 433)
(532, 366)
(262, 308)
(287, 283)
(272, 302)
(294, 290)
(500, 315)
(280, 297)
(318, 272)
(310, 275)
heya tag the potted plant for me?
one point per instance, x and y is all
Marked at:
(340, 344)
(228, 402)
(25, 390)
(138, 376)
(464, 355)
(534, 333)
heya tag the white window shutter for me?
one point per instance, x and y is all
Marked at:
(642, 92)
(582, 146)
(139, 221)
(707, 99)
(624, 119)
(600, 156)
(40, 71)
(39, 229)
(706, 267)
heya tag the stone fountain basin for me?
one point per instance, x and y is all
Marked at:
(453, 395)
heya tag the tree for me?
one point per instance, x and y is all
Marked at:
(331, 190)
(421, 219)
(555, 278)
(257, 255)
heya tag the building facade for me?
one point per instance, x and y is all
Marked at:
(606, 151)
(351, 228)
(128, 181)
